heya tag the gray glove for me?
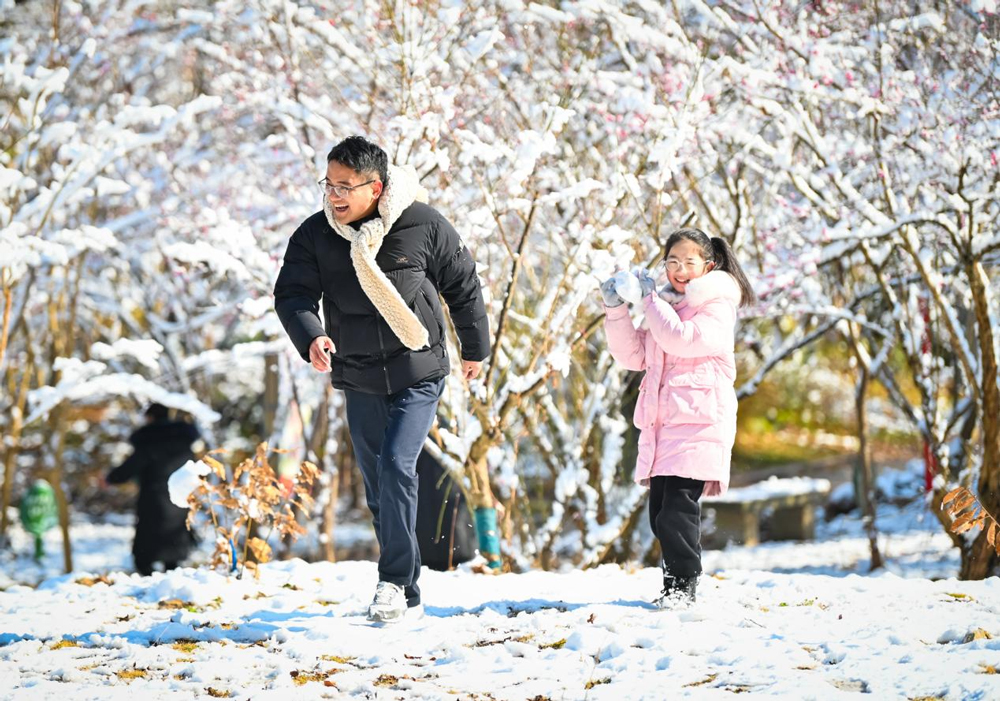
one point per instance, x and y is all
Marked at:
(611, 296)
(670, 295)
(647, 283)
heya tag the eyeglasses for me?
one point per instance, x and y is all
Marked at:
(673, 264)
(341, 190)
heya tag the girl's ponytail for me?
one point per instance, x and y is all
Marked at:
(725, 260)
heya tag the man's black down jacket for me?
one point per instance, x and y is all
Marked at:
(422, 255)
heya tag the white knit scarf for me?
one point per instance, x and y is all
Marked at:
(402, 190)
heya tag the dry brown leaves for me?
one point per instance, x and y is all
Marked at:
(977, 634)
(248, 500)
(963, 506)
(64, 643)
(300, 678)
(130, 674)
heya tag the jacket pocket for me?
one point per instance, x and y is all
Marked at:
(692, 397)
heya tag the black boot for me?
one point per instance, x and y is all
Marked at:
(677, 591)
(686, 587)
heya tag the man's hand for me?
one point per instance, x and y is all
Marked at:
(471, 368)
(319, 353)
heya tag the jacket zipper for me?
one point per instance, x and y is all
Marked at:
(381, 347)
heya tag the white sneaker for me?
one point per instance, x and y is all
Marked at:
(389, 603)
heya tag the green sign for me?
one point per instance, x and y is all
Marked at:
(38, 512)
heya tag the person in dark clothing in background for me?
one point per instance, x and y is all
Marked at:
(378, 258)
(159, 448)
(445, 529)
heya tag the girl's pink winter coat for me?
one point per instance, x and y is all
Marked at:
(686, 411)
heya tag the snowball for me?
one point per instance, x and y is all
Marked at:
(627, 286)
(185, 480)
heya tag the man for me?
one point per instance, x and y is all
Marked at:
(378, 259)
(159, 448)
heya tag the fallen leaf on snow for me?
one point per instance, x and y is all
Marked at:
(552, 646)
(64, 643)
(707, 680)
(130, 674)
(301, 678)
(977, 634)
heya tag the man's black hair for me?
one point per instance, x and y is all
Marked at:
(157, 412)
(362, 156)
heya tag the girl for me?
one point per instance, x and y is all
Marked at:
(686, 412)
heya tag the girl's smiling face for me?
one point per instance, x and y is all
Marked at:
(685, 262)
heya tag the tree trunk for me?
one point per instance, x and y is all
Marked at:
(980, 559)
(271, 379)
(317, 447)
(867, 482)
(55, 478)
(864, 481)
(482, 501)
(8, 300)
(63, 335)
(9, 458)
(330, 520)
(13, 447)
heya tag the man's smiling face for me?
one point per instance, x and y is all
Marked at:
(359, 192)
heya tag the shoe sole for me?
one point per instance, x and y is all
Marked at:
(381, 618)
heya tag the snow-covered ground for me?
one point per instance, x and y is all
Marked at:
(793, 620)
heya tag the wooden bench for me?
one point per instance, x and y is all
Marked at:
(788, 506)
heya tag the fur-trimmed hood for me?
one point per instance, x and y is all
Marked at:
(715, 284)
